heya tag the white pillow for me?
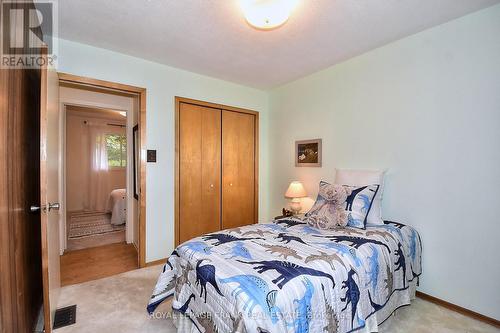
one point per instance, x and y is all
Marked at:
(362, 178)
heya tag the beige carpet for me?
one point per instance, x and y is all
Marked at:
(118, 304)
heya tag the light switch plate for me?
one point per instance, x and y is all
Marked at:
(151, 156)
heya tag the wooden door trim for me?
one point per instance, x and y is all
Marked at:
(92, 83)
(178, 101)
(43, 194)
(81, 82)
(256, 168)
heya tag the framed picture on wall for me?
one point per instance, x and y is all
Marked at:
(308, 153)
(135, 143)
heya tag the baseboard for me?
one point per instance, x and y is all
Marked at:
(459, 309)
(156, 262)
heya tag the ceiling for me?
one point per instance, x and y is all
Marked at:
(211, 37)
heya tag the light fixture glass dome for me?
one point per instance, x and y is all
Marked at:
(267, 14)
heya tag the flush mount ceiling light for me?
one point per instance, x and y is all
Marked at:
(267, 14)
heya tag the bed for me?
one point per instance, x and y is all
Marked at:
(289, 277)
(117, 206)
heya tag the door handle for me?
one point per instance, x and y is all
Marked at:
(54, 206)
(35, 209)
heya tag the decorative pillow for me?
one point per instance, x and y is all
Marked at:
(361, 178)
(328, 211)
(359, 203)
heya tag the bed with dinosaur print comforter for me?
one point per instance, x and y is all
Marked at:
(289, 277)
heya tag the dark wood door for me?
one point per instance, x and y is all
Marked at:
(20, 238)
(199, 170)
(238, 169)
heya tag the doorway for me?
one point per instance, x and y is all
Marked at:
(102, 178)
(30, 167)
(96, 160)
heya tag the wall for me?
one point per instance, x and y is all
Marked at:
(78, 161)
(427, 108)
(163, 83)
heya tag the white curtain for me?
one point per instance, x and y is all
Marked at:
(99, 172)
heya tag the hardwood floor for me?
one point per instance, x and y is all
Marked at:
(97, 262)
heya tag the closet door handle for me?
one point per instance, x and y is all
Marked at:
(211, 185)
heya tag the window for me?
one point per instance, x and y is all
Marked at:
(116, 146)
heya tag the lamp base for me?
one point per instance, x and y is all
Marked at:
(295, 206)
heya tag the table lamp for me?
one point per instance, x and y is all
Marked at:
(295, 191)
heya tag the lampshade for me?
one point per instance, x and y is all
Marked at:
(295, 190)
(267, 14)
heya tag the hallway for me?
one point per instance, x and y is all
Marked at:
(97, 262)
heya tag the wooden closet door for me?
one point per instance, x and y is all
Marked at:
(199, 170)
(238, 169)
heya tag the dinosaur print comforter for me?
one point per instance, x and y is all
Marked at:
(289, 277)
